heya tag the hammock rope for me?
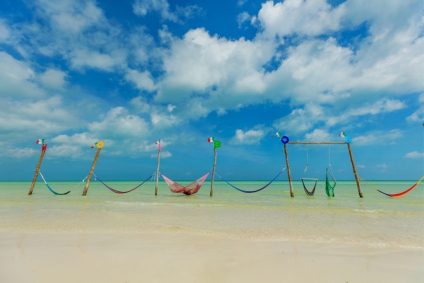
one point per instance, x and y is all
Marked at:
(120, 191)
(329, 177)
(307, 191)
(400, 194)
(252, 191)
(190, 189)
(50, 188)
(303, 179)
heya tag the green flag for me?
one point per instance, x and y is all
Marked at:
(216, 144)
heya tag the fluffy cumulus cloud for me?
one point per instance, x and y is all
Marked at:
(299, 58)
(252, 136)
(310, 17)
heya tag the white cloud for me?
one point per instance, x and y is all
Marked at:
(72, 16)
(53, 78)
(244, 18)
(418, 115)
(382, 167)
(163, 155)
(71, 146)
(415, 155)
(4, 31)
(118, 122)
(318, 135)
(142, 80)
(310, 17)
(17, 152)
(83, 58)
(144, 7)
(201, 63)
(252, 136)
(377, 137)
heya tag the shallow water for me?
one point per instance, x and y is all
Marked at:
(270, 215)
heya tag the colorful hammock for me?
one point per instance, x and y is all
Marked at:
(190, 189)
(50, 188)
(119, 191)
(329, 177)
(397, 195)
(253, 191)
(308, 192)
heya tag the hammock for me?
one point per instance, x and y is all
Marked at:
(50, 188)
(122, 192)
(329, 177)
(190, 189)
(308, 192)
(253, 191)
(396, 195)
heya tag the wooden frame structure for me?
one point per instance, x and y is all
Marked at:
(358, 184)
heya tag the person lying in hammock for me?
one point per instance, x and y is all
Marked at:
(190, 189)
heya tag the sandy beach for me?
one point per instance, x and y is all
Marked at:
(230, 238)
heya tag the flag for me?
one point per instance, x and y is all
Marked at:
(40, 141)
(99, 144)
(210, 139)
(216, 144)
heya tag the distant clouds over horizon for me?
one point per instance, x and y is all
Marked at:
(76, 71)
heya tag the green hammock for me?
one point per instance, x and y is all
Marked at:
(330, 182)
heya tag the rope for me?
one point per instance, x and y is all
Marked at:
(50, 188)
(252, 191)
(329, 189)
(119, 191)
(312, 192)
(307, 162)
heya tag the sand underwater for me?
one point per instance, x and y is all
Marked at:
(232, 237)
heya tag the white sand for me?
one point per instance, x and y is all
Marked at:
(182, 257)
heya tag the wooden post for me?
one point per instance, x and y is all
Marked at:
(354, 171)
(157, 171)
(213, 171)
(37, 168)
(288, 170)
(99, 146)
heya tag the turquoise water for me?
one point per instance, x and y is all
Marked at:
(268, 215)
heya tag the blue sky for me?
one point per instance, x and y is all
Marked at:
(130, 72)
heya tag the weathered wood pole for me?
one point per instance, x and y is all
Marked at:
(37, 168)
(213, 171)
(288, 170)
(157, 171)
(358, 185)
(99, 147)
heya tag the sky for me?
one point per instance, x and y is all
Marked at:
(131, 72)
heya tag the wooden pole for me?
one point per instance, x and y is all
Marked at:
(358, 185)
(213, 171)
(157, 171)
(37, 168)
(90, 174)
(288, 170)
(321, 142)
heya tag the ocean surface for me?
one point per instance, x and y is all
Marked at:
(269, 215)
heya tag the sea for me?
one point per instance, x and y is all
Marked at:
(269, 215)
